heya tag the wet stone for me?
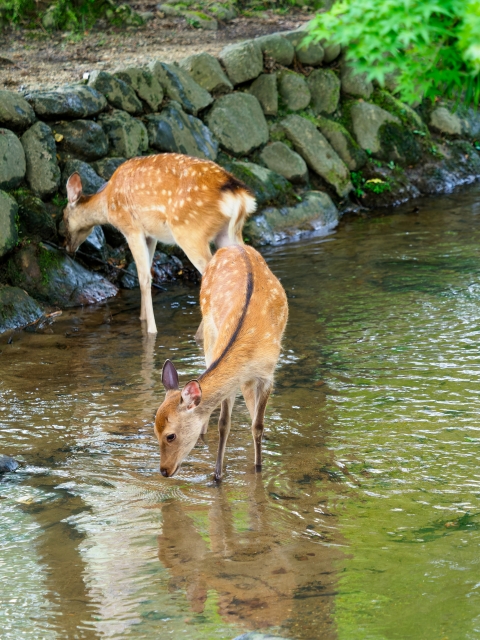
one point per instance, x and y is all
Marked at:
(145, 85)
(15, 112)
(76, 101)
(80, 139)
(34, 218)
(43, 173)
(180, 87)
(7, 464)
(118, 93)
(293, 90)
(54, 278)
(242, 61)
(8, 228)
(264, 88)
(91, 181)
(17, 310)
(238, 122)
(207, 72)
(174, 130)
(127, 137)
(12, 160)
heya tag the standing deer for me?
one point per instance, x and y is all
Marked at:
(172, 198)
(244, 309)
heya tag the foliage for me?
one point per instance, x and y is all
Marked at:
(375, 185)
(431, 48)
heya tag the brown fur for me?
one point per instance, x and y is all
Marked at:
(242, 340)
(172, 198)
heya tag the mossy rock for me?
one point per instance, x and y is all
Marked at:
(399, 144)
(8, 223)
(34, 219)
(266, 185)
(343, 143)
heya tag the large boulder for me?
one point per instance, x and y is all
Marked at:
(15, 112)
(367, 120)
(281, 159)
(355, 84)
(293, 90)
(242, 61)
(75, 101)
(343, 143)
(8, 226)
(207, 72)
(145, 85)
(118, 93)
(180, 87)
(277, 47)
(324, 86)
(12, 160)
(238, 122)
(17, 309)
(34, 218)
(264, 88)
(174, 130)
(316, 213)
(317, 153)
(54, 278)
(82, 139)
(127, 137)
(266, 185)
(106, 167)
(91, 181)
(43, 173)
(311, 54)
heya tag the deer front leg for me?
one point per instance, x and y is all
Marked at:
(262, 393)
(224, 424)
(138, 247)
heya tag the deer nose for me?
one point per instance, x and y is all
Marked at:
(164, 473)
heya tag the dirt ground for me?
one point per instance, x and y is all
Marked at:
(36, 59)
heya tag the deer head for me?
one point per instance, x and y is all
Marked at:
(179, 420)
(78, 215)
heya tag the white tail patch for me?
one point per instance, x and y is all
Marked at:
(237, 206)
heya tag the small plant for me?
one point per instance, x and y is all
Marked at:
(391, 165)
(358, 181)
(59, 201)
(377, 185)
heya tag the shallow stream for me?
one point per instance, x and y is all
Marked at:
(365, 522)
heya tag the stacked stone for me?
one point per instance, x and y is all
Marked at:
(281, 115)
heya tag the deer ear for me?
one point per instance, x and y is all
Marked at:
(192, 394)
(74, 187)
(169, 376)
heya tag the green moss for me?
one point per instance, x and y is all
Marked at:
(400, 143)
(47, 260)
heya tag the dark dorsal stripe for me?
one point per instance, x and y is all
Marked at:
(248, 297)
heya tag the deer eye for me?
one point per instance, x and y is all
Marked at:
(171, 437)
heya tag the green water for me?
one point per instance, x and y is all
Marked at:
(365, 522)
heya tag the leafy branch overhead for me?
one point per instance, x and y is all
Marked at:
(429, 48)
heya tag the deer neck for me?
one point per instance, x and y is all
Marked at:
(93, 211)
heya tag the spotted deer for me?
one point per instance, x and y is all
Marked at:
(244, 310)
(171, 198)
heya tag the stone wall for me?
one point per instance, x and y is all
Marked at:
(311, 140)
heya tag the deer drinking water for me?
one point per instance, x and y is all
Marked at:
(172, 198)
(244, 309)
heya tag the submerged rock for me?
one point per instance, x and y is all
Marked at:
(7, 464)
(54, 278)
(8, 227)
(17, 310)
(43, 172)
(238, 122)
(12, 160)
(174, 130)
(316, 213)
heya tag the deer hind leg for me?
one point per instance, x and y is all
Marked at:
(224, 423)
(140, 251)
(197, 249)
(151, 246)
(263, 389)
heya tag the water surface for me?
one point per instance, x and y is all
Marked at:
(365, 522)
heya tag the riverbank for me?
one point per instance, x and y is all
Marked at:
(311, 140)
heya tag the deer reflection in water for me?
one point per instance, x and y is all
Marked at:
(263, 576)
